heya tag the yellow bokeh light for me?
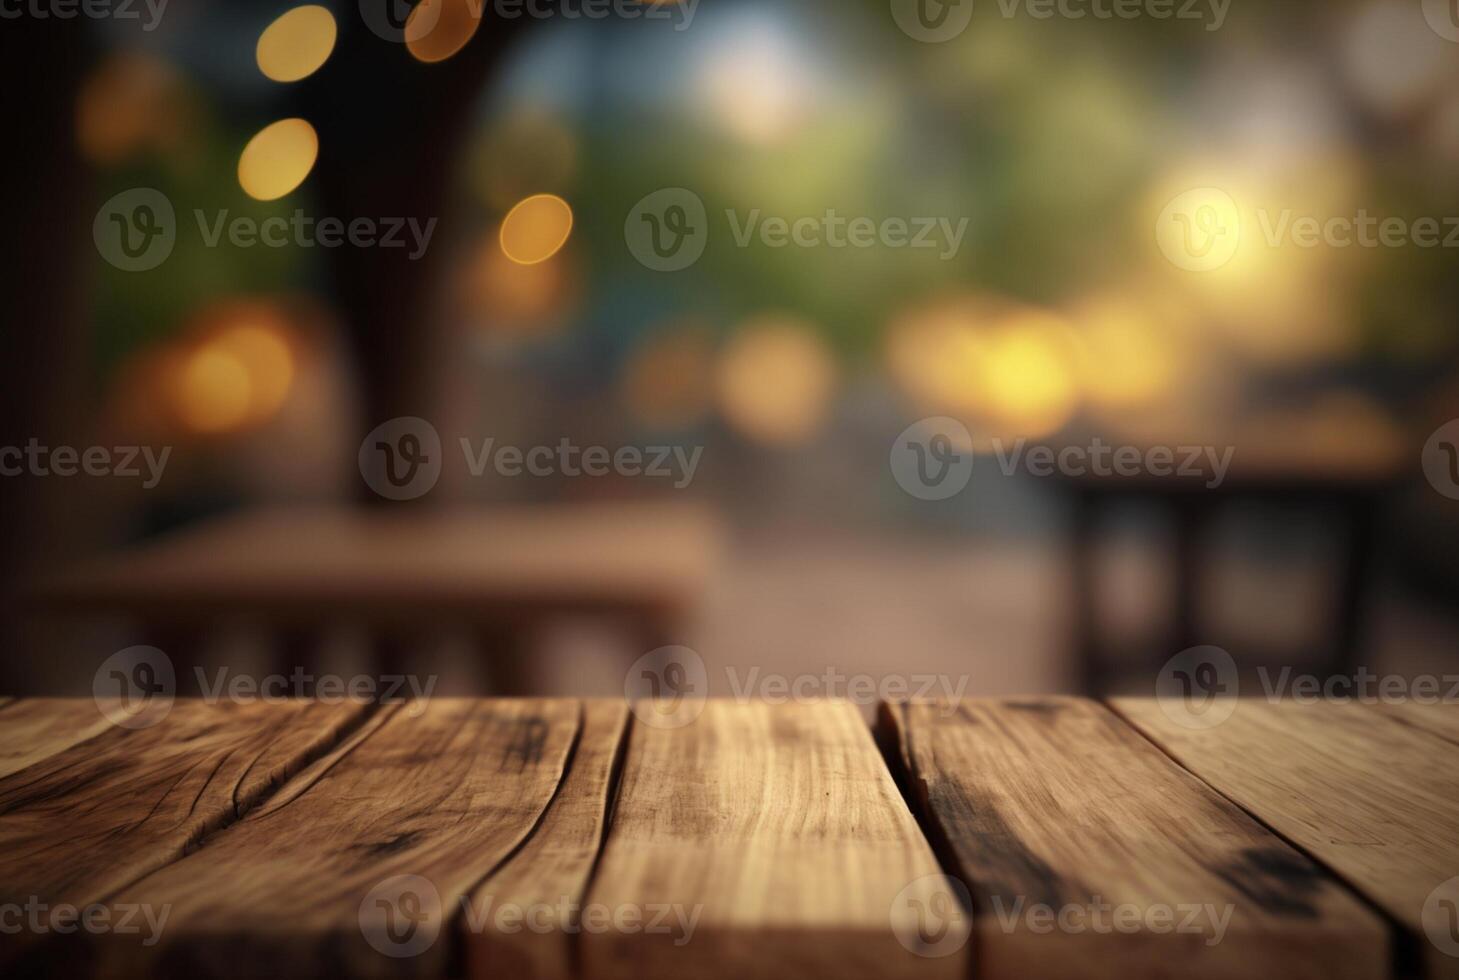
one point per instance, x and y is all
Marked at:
(437, 29)
(1132, 351)
(775, 380)
(511, 298)
(536, 229)
(267, 358)
(277, 159)
(1005, 369)
(667, 383)
(213, 391)
(296, 44)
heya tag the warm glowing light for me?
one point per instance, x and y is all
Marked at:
(536, 229)
(268, 360)
(213, 391)
(512, 298)
(667, 383)
(1008, 370)
(130, 103)
(296, 44)
(775, 381)
(278, 159)
(1131, 351)
(437, 29)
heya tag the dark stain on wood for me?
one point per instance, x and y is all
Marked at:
(526, 744)
(1276, 880)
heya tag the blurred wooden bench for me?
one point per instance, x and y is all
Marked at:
(405, 574)
(542, 838)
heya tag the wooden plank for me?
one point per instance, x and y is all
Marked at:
(33, 729)
(358, 866)
(84, 823)
(476, 565)
(1374, 799)
(1056, 804)
(524, 918)
(772, 841)
(1436, 719)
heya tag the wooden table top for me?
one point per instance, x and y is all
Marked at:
(385, 562)
(1024, 839)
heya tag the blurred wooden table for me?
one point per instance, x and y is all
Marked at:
(556, 838)
(1343, 481)
(499, 572)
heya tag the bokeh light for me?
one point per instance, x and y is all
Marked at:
(775, 380)
(667, 384)
(1391, 57)
(278, 159)
(131, 103)
(437, 29)
(511, 298)
(297, 43)
(536, 229)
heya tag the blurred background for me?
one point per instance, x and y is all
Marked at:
(526, 144)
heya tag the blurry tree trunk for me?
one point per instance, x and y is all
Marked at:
(390, 132)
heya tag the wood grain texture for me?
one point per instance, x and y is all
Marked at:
(1058, 803)
(1374, 799)
(780, 829)
(84, 823)
(358, 866)
(32, 729)
(525, 917)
